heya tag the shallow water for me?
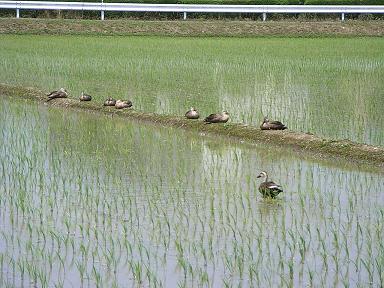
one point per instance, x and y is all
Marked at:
(332, 87)
(89, 200)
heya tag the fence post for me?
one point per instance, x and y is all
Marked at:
(185, 16)
(342, 16)
(102, 15)
(264, 16)
(17, 13)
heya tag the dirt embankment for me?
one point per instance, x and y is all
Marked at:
(367, 155)
(244, 28)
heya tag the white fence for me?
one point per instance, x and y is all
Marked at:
(188, 8)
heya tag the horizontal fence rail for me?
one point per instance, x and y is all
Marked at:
(188, 8)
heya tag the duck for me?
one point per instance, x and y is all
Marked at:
(85, 97)
(272, 125)
(269, 188)
(110, 102)
(120, 104)
(192, 114)
(61, 93)
(217, 118)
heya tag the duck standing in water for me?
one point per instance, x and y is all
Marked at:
(110, 102)
(272, 125)
(120, 104)
(61, 93)
(85, 97)
(269, 188)
(192, 114)
(217, 118)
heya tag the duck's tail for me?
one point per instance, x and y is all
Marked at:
(279, 188)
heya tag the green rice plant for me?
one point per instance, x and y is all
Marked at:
(137, 273)
(97, 277)
(196, 218)
(307, 75)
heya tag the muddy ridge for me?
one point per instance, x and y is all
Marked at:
(372, 156)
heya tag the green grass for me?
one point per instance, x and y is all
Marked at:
(90, 200)
(330, 87)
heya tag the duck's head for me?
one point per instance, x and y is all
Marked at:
(63, 90)
(266, 120)
(225, 113)
(262, 174)
(193, 109)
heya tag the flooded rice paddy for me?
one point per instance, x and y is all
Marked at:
(88, 200)
(332, 87)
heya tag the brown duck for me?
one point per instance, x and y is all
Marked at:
(110, 102)
(61, 93)
(272, 125)
(217, 118)
(192, 114)
(85, 97)
(120, 104)
(269, 188)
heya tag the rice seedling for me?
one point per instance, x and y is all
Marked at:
(100, 208)
(329, 87)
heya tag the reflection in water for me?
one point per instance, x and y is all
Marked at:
(221, 164)
(91, 200)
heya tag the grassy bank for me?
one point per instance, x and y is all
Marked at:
(302, 141)
(192, 27)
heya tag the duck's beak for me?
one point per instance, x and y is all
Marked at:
(258, 176)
